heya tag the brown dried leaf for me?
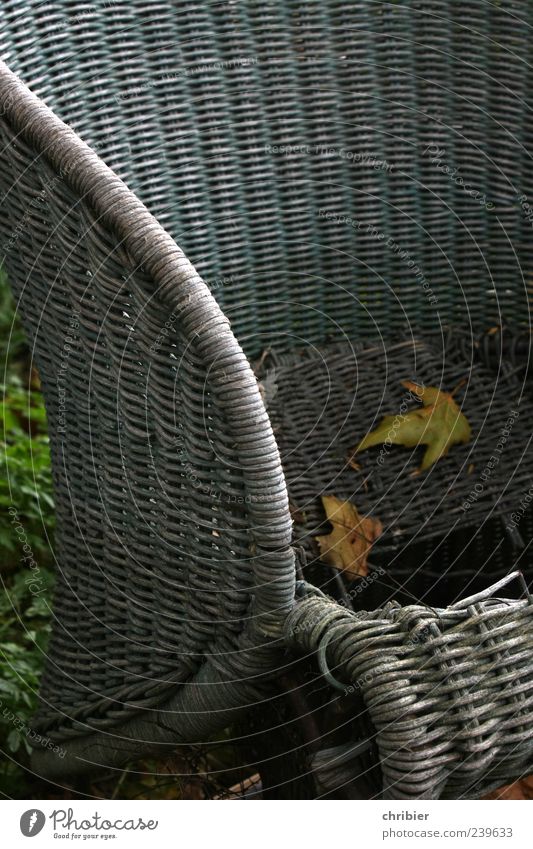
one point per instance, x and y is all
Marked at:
(348, 545)
(521, 790)
(297, 515)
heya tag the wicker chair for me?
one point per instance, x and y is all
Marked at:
(352, 182)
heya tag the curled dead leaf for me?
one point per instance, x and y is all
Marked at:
(297, 515)
(348, 545)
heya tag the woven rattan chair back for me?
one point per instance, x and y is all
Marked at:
(328, 168)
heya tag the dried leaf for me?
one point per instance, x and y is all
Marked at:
(520, 790)
(439, 424)
(348, 545)
(297, 515)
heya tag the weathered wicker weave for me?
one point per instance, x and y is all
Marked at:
(432, 681)
(350, 179)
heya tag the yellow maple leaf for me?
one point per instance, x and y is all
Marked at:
(438, 424)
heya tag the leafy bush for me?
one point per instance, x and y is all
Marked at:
(26, 482)
(24, 631)
(12, 339)
(26, 523)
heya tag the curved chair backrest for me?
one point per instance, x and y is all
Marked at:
(321, 163)
(170, 498)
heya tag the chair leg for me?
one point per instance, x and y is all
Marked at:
(284, 738)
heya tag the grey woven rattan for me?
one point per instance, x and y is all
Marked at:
(338, 173)
(433, 682)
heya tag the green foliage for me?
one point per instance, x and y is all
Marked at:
(24, 631)
(26, 480)
(12, 339)
(26, 522)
